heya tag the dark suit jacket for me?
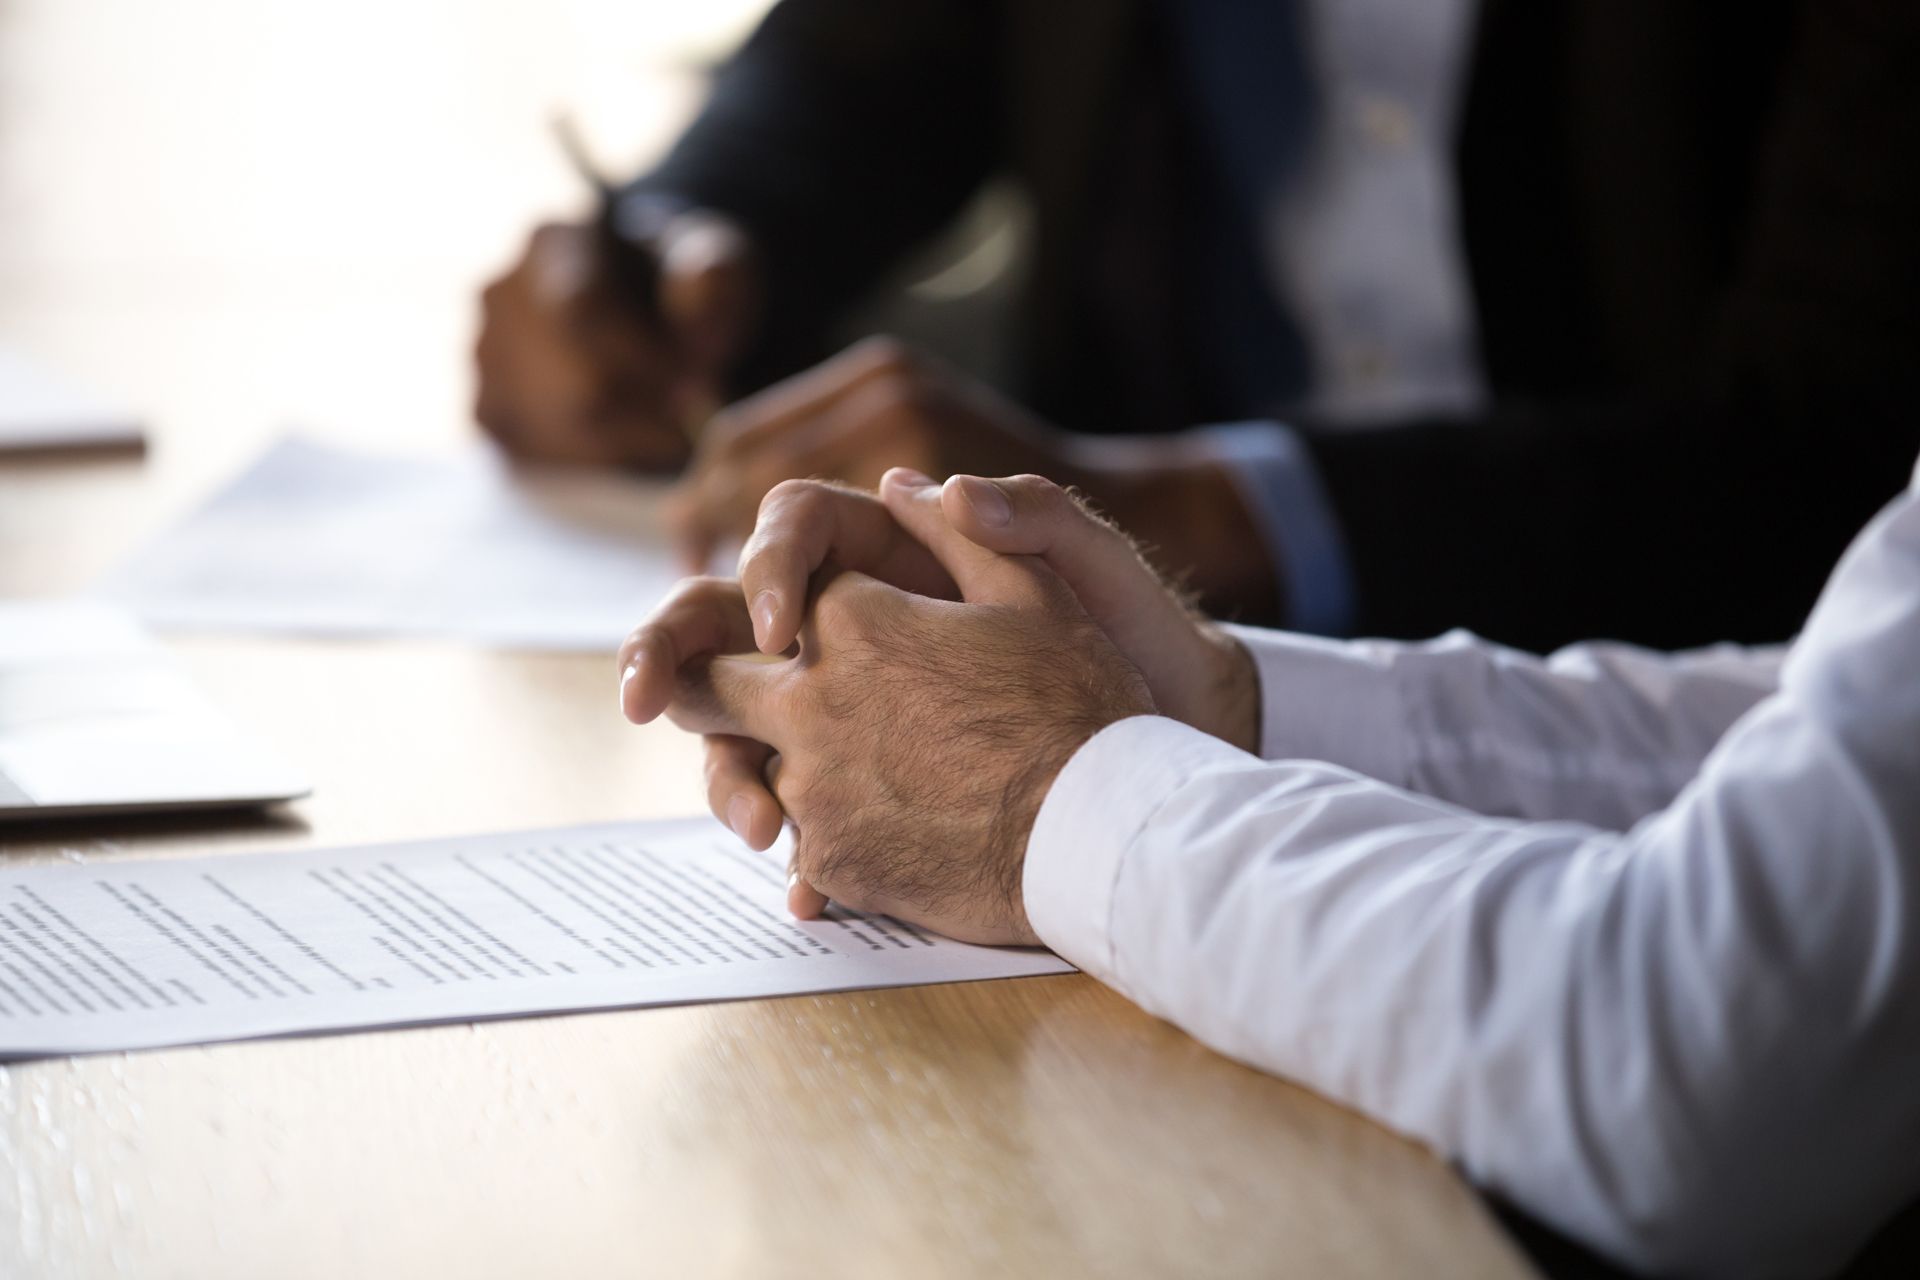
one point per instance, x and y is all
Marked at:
(1692, 232)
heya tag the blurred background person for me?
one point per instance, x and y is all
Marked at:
(200, 227)
(1549, 296)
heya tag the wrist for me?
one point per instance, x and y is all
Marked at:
(1187, 513)
(1026, 793)
(1233, 704)
(1011, 832)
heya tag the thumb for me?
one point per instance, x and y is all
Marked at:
(1190, 667)
(984, 575)
(1126, 598)
(1031, 515)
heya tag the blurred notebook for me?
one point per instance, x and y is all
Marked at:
(40, 411)
(94, 717)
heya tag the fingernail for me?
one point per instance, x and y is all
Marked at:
(626, 677)
(989, 505)
(908, 478)
(766, 606)
(739, 815)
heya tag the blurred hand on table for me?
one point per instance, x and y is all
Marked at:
(881, 404)
(575, 364)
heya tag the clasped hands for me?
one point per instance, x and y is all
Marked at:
(901, 675)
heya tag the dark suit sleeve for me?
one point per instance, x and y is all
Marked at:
(843, 133)
(1716, 512)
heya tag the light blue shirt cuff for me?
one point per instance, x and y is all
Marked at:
(1281, 488)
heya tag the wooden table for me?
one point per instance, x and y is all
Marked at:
(1039, 1126)
(1031, 1127)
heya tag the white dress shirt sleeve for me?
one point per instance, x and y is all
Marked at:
(1602, 733)
(1692, 1044)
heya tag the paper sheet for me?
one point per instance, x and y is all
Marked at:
(128, 955)
(320, 540)
(95, 715)
(39, 410)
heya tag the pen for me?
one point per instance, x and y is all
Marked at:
(631, 264)
(634, 268)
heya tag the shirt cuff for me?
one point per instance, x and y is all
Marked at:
(1097, 807)
(1332, 700)
(1281, 488)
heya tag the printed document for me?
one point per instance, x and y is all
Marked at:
(319, 540)
(136, 954)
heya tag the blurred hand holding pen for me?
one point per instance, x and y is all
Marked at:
(608, 342)
(638, 239)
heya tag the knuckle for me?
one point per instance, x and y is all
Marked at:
(716, 765)
(1042, 494)
(1071, 505)
(760, 558)
(726, 772)
(701, 588)
(1058, 599)
(844, 611)
(884, 352)
(654, 624)
(689, 598)
(719, 786)
(795, 789)
(793, 496)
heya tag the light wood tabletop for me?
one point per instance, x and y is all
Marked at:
(1039, 1126)
(152, 178)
